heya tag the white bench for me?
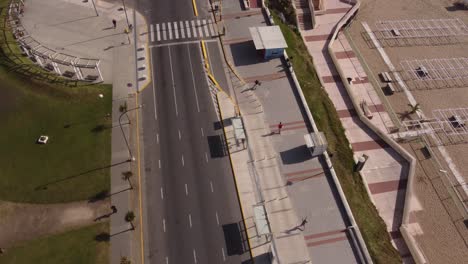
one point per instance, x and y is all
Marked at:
(396, 32)
(385, 77)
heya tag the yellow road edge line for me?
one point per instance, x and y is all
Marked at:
(195, 11)
(204, 50)
(139, 183)
(205, 56)
(212, 78)
(234, 174)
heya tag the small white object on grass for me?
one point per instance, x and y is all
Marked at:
(42, 139)
(101, 95)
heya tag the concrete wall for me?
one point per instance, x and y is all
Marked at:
(411, 243)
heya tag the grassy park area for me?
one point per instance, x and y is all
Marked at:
(74, 164)
(371, 225)
(76, 246)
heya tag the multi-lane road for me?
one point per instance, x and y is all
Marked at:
(190, 190)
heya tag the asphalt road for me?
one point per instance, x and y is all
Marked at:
(190, 192)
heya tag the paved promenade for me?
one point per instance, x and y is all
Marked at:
(385, 173)
(276, 170)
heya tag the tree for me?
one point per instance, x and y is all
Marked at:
(129, 217)
(125, 260)
(126, 177)
(123, 107)
(414, 108)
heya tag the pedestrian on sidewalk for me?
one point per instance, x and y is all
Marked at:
(114, 23)
(280, 126)
(257, 83)
(288, 61)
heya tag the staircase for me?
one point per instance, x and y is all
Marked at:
(304, 16)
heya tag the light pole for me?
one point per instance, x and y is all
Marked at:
(95, 9)
(132, 158)
(126, 17)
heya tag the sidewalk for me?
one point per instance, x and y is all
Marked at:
(277, 170)
(72, 27)
(385, 173)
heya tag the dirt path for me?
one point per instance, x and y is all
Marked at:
(21, 222)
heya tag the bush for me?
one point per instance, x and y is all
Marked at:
(284, 7)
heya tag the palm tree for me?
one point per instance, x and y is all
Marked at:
(125, 260)
(414, 108)
(129, 217)
(126, 177)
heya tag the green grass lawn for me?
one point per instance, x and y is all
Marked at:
(74, 165)
(77, 246)
(372, 226)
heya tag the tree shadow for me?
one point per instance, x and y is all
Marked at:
(102, 195)
(102, 237)
(100, 128)
(406, 115)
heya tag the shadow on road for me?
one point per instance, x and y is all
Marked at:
(217, 146)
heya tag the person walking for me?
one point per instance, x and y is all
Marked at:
(114, 23)
(257, 83)
(280, 126)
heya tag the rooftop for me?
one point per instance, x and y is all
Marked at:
(269, 37)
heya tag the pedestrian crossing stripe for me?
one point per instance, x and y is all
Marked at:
(176, 31)
(182, 31)
(194, 29)
(151, 30)
(187, 25)
(200, 31)
(169, 30)
(188, 29)
(159, 33)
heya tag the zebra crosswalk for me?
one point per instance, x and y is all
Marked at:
(179, 30)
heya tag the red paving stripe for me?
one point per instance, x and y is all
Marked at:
(395, 234)
(288, 123)
(303, 178)
(345, 54)
(255, 3)
(293, 127)
(388, 186)
(317, 38)
(369, 145)
(377, 108)
(331, 78)
(236, 40)
(346, 113)
(289, 174)
(324, 234)
(242, 14)
(267, 77)
(326, 241)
